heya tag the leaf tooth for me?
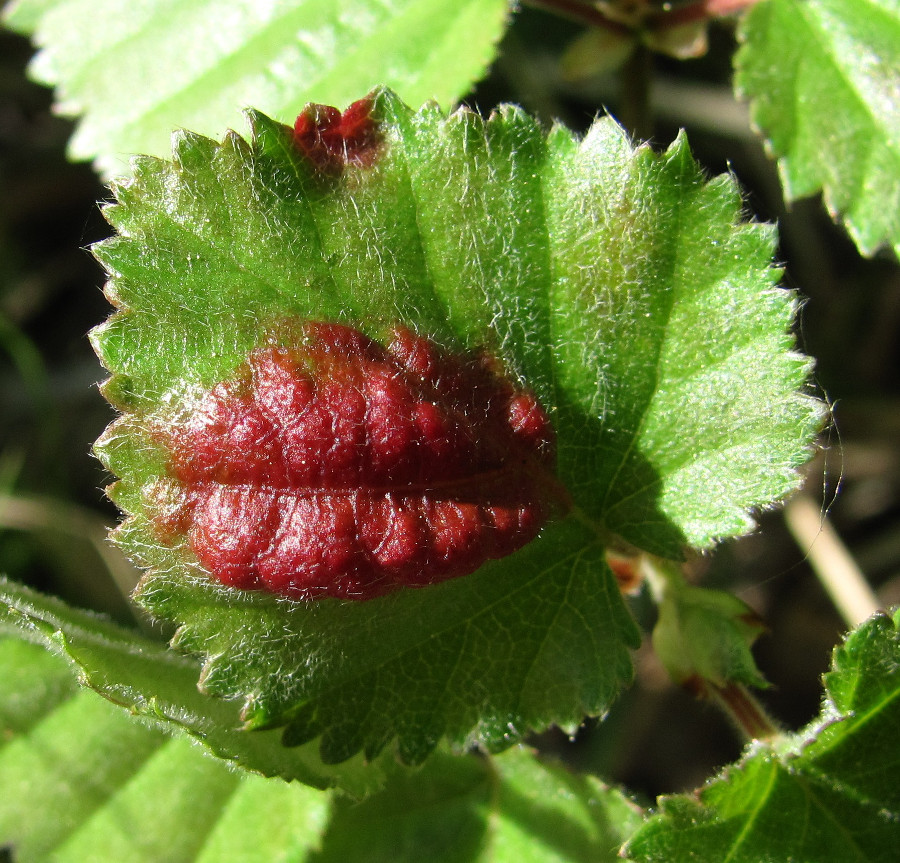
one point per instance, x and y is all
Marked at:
(305, 725)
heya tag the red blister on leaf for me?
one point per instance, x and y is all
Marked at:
(341, 467)
(331, 140)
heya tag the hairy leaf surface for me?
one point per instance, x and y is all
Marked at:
(136, 72)
(85, 782)
(823, 80)
(618, 287)
(91, 782)
(153, 682)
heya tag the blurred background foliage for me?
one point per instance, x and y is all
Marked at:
(54, 516)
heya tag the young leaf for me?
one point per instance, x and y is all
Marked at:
(828, 793)
(136, 73)
(822, 77)
(701, 636)
(615, 287)
(83, 781)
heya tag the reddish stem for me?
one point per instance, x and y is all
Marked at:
(626, 569)
(745, 711)
(697, 11)
(576, 10)
(651, 19)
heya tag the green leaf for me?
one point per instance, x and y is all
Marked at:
(619, 285)
(828, 793)
(511, 808)
(158, 684)
(135, 73)
(33, 683)
(93, 783)
(822, 77)
(84, 781)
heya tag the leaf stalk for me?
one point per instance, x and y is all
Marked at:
(743, 709)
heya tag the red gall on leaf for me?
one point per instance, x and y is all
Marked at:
(343, 468)
(331, 140)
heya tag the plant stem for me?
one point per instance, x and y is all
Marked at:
(30, 365)
(659, 18)
(743, 709)
(696, 11)
(634, 108)
(82, 526)
(575, 10)
(833, 564)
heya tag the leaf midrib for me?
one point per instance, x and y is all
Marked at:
(448, 487)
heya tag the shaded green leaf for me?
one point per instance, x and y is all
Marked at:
(619, 285)
(156, 683)
(137, 72)
(33, 683)
(823, 77)
(512, 808)
(84, 781)
(828, 793)
(92, 783)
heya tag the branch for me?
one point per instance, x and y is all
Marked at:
(833, 564)
(644, 17)
(575, 10)
(696, 11)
